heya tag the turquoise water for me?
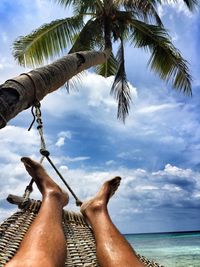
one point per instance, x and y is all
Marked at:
(169, 249)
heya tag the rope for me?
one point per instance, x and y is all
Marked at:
(45, 154)
(21, 85)
(37, 116)
(2, 116)
(4, 120)
(78, 202)
(36, 104)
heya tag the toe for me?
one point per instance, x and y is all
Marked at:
(31, 163)
(27, 161)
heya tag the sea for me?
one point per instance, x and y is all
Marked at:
(180, 249)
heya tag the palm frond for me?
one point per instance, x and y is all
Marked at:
(66, 3)
(75, 82)
(191, 4)
(90, 36)
(84, 7)
(47, 41)
(121, 25)
(109, 68)
(165, 59)
(120, 88)
(81, 6)
(145, 10)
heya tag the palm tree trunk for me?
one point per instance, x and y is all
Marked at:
(108, 5)
(19, 93)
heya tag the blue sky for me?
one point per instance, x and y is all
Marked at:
(156, 152)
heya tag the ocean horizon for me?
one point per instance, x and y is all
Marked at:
(169, 249)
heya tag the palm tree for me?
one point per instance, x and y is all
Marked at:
(107, 21)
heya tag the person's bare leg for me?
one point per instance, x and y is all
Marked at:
(113, 250)
(44, 244)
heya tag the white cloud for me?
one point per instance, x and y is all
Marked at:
(66, 134)
(131, 154)
(96, 105)
(172, 188)
(18, 134)
(175, 171)
(127, 212)
(64, 168)
(179, 7)
(140, 188)
(155, 108)
(92, 99)
(62, 136)
(60, 142)
(157, 188)
(110, 162)
(80, 158)
(17, 141)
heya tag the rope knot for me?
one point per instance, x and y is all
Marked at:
(44, 152)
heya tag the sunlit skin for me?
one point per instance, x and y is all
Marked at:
(44, 245)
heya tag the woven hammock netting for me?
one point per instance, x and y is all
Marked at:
(80, 245)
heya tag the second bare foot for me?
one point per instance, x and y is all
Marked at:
(100, 200)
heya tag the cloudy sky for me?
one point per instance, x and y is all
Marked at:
(156, 152)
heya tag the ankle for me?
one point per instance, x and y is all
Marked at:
(51, 193)
(55, 196)
(93, 207)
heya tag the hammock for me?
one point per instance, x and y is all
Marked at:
(81, 247)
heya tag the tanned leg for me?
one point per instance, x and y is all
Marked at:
(112, 248)
(44, 244)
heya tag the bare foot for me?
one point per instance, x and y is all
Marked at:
(44, 182)
(100, 200)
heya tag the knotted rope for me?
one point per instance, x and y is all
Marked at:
(37, 116)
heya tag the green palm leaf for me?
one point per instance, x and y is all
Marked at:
(66, 3)
(47, 41)
(109, 68)
(91, 36)
(121, 25)
(120, 88)
(75, 82)
(145, 10)
(165, 59)
(85, 7)
(81, 6)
